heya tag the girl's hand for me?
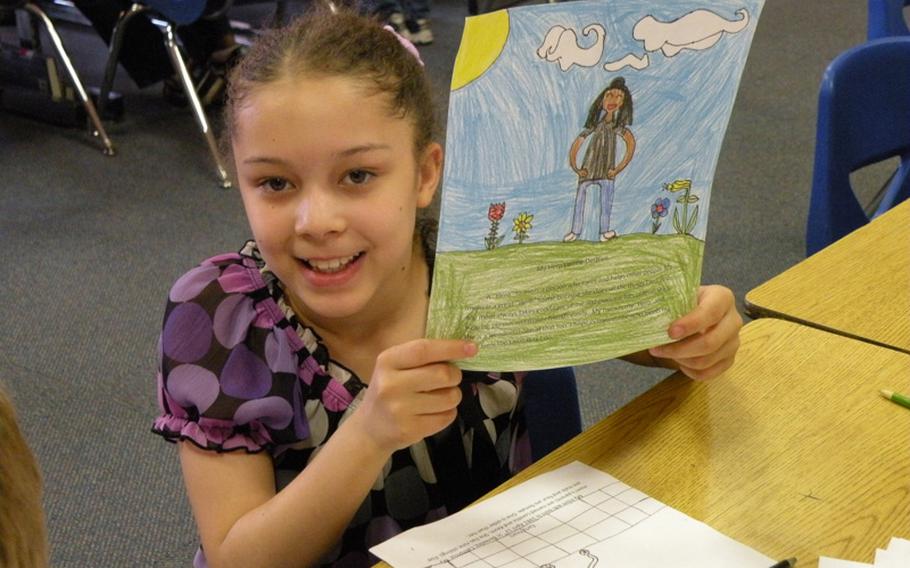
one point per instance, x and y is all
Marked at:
(707, 338)
(414, 391)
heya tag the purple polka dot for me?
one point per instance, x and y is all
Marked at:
(381, 529)
(235, 278)
(192, 385)
(190, 284)
(245, 375)
(232, 319)
(278, 353)
(187, 334)
(273, 411)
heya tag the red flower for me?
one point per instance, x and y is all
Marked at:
(497, 210)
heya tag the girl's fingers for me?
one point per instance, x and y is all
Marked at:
(708, 373)
(714, 302)
(727, 352)
(421, 352)
(713, 340)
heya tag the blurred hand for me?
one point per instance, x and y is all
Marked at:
(707, 338)
(414, 391)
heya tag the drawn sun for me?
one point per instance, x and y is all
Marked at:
(482, 41)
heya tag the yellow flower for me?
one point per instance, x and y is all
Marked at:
(678, 185)
(522, 223)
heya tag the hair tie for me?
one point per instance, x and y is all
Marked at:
(406, 43)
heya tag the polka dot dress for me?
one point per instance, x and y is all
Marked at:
(239, 372)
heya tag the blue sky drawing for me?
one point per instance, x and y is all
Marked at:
(509, 131)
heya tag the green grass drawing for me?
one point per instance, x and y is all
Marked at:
(540, 305)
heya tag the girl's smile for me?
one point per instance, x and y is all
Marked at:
(326, 272)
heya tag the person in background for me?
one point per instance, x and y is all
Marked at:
(23, 538)
(409, 18)
(209, 44)
(312, 417)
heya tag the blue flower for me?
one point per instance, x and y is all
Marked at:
(660, 207)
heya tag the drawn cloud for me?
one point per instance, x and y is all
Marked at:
(561, 45)
(696, 30)
(630, 60)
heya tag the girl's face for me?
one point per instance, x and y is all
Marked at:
(331, 184)
(613, 99)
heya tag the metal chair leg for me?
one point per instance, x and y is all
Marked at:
(98, 131)
(110, 68)
(170, 43)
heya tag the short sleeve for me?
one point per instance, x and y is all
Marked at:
(227, 369)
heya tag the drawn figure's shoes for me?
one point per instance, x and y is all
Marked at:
(569, 238)
(604, 237)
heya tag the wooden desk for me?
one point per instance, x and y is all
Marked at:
(858, 286)
(792, 452)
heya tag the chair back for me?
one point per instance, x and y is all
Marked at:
(863, 119)
(180, 12)
(551, 409)
(886, 19)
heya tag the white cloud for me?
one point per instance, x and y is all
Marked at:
(561, 45)
(696, 30)
(630, 60)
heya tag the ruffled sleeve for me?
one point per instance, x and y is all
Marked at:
(227, 374)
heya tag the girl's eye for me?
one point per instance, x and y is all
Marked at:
(358, 177)
(275, 184)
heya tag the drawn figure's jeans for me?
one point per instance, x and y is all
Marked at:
(606, 203)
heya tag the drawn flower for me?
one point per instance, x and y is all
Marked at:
(522, 225)
(686, 222)
(660, 207)
(678, 185)
(497, 210)
(494, 214)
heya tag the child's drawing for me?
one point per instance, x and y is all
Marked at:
(584, 266)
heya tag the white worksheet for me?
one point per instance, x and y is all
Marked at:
(575, 516)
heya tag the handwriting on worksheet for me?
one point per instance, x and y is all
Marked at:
(573, 517)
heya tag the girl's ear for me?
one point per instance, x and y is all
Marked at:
(428, 174)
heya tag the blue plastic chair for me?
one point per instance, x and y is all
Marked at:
(863, 118)
(551, 409)
(886, 19)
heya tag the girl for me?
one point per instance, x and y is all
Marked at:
(313, 420)
(608, 119)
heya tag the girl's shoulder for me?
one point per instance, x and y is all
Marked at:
(234, 273)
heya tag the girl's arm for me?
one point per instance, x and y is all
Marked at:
(242, 521)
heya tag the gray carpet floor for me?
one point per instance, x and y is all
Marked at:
(91, 244)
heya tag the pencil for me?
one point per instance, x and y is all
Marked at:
(788, 563)
(900, 399)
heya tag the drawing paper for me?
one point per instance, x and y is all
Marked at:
(582, 141)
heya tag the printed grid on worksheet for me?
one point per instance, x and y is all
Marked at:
(592, 518)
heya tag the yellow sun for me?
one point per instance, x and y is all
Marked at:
(482, 41)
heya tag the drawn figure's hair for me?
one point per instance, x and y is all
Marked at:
(337, 42)
(623, 116)
(23, 540)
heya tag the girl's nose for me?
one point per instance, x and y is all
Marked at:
(320, 213)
